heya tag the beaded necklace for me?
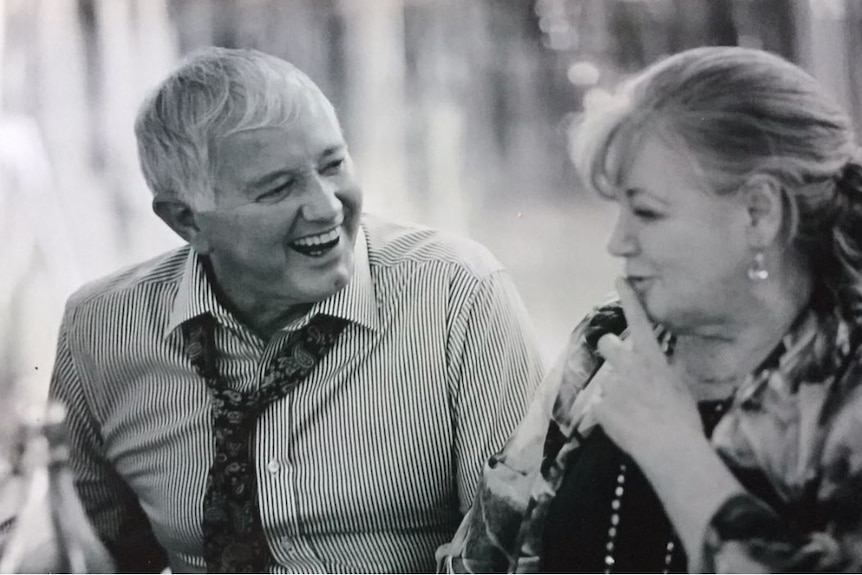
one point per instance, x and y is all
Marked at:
(710, 420)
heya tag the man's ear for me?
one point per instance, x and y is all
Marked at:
(763, 198)
(181, 218)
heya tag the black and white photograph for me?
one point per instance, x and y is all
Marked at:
(430, 286)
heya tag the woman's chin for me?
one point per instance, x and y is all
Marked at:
(658, 313)
(652, 306)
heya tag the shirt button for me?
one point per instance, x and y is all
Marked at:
(290, 549)
(273, 466)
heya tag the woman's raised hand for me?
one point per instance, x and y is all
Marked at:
(645, 405)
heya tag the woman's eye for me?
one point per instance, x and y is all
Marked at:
(645, 214)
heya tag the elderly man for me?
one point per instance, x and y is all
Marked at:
(302, 387)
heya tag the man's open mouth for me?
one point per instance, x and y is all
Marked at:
(317, 245)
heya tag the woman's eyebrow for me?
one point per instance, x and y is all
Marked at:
(633, 192)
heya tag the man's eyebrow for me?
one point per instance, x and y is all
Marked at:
(288, 174)
(273, 176)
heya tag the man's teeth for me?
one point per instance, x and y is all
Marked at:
(314, 246)
(314, 241)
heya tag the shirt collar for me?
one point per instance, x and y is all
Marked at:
(194, 296)
(356, 303)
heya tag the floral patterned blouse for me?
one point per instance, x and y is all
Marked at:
(792, 436)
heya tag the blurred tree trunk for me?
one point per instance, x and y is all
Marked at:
(3, 10)
(777, 28)
(768, 24)
(375, 101)
(632, 35)
(307, 33)
(39, 264)
(20, 57)
(436, 79)
(39, 261)
(853, 42)
(73, 74)
(63, 114)
(830, 45)
(43, 111)
(134, 49)
(194, 21)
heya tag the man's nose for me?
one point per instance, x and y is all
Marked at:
(321, 203)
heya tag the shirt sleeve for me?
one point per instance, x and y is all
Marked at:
(746, 536)
(487, 539)
(813, 525)
(111, 505)
(494, 369)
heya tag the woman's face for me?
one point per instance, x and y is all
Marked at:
(684, 247)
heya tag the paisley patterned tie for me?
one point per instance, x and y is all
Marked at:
(234, 541)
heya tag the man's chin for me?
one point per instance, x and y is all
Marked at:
(339, 282)
(328, 284)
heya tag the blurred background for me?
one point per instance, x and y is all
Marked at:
(458, 114)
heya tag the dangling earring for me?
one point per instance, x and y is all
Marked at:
(757, 272)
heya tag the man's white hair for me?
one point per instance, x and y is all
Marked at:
(215, 93)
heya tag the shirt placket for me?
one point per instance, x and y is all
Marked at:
(277, 475)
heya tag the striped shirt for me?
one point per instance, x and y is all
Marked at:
(368, 465)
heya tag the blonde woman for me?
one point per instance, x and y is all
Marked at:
(712, 418)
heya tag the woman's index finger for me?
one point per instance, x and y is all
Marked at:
(639, 324)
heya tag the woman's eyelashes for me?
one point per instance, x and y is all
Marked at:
(646, 214)
(643, 212)
(641, 204)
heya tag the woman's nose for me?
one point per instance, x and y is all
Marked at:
(622, 242)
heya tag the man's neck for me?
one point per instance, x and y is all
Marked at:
(263, 314)
(265, 322)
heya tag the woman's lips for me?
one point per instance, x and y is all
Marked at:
(639, 283)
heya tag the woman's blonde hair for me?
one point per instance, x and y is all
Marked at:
(739, 112)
